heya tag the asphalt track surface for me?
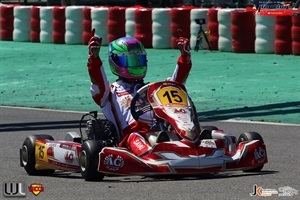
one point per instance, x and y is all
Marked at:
(282, 170)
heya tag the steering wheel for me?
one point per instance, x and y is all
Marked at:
(138, 110)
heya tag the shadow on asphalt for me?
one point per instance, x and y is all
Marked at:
(245, 112)
(223, 175)
(32, 126)
(256, 111)
(122, 179)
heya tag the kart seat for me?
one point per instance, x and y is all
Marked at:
(205, 134)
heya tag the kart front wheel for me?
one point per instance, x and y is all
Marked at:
(27, 156)
(247, 137)
(89, 159)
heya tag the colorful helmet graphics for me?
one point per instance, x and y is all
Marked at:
(127, 58)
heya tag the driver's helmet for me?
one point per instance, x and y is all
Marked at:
(127, 58)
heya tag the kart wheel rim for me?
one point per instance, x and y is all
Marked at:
(83, 162)
(24, 155)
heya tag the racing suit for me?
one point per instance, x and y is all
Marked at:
(115, 98)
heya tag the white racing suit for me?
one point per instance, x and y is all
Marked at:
(115, 98)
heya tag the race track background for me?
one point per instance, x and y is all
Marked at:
(260, 87)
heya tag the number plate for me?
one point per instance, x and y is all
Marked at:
(172, 95)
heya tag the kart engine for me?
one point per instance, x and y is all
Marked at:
(99, 129)
(93, 128)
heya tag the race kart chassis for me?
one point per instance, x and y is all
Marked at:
(187, 147)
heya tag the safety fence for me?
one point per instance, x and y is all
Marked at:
(230, 29)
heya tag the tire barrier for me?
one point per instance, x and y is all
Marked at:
(22, 17)
(143, 26)
(116, 23)
(296, 35)
(180, 19)
(213, 28)
(283, 38)
(46, 24)
(99, 16)
(35, 24)
(6, 22)
(74, 28)
(59, 25)
(265, 35)
(160, 28)
(225, 38)
(243, 31)
(86, 25)
(129, 22)
(231, 30)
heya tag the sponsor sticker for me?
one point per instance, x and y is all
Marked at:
(112, 163)
(259, 154)
(208, 143)
(69, 156)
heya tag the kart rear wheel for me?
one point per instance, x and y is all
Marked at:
(89, 159)
(210, 128)
(27, 156)
(250, 136)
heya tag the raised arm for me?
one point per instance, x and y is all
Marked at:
(184, 63)
(100, 85)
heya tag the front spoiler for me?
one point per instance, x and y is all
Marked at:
(120, 161)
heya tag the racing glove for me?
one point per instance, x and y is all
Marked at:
(184, 46)
(94, 45)
(94, 64)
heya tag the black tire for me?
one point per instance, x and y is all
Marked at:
(247, 137)
(210, 128)
(27, 156)
(89, 159)
(250, 136)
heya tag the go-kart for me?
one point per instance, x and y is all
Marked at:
(180, 146)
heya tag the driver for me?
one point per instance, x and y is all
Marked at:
(128, 61)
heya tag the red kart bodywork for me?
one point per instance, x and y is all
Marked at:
(178, 157)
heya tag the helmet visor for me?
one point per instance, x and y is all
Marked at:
(132, 60)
